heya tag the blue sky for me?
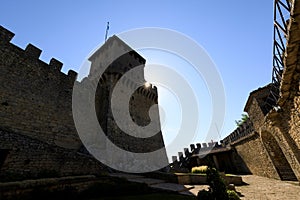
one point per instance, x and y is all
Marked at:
(236, 34)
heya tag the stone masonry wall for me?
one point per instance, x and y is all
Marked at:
(139, 111)
(293, 105)
(35, 97)
(29, 157)
(116, 63)
(252, 152)
(31, 189)
(36, 103)
(289, 89)
(284, 123)
(295, 121)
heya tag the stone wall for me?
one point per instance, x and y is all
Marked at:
(295, 120)
(35, 97)
(253, 154)
(30, 189)
(28, 157)
(36, 103)
(139, 107)
(116, 65)
(291, 106)
(255, 105)
(283, 122)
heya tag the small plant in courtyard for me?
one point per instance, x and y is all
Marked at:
(232, 195)
(217, 188)
(216, 184)
(199, 169)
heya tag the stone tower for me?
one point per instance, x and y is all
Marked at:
(116, 63)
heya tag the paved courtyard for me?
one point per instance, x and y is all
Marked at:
(265, 188)
(261, 188)
(257, 188)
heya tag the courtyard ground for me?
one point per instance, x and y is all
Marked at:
(262, 188)
(256, 187)
(268, 189)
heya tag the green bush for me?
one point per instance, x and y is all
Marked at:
(216, 183)
(199, 169)
(232, 195)
(217, 188)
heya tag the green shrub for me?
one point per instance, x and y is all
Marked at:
(232, 195)
(217, 190)
(199, 169)
(216, 183)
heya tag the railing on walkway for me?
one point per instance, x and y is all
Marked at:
(282, 14)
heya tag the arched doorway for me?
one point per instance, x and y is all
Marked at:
(279, 160)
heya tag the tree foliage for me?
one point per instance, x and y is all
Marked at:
(244, 118)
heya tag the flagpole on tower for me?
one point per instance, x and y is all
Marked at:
(107, 28)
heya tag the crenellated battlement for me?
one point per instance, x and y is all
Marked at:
(37, 95)
(5, 35)
(184, 160)
(33, 53)
(199, 148)
(239, 133)
(148, 92)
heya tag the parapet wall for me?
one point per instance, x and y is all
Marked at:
(35, 97)
(239, 133)
(195, 149)
(27, 157)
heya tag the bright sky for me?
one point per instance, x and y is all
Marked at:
(236, 34)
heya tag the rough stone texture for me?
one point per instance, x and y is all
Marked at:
(290, 91)
(258, 111)
(277, 156)
(283, 124)
(141, 100)
(255, 157)
(28, 157)
(255, 105)
(36, 102)
(35, 98)
(295, 121)
(25, 189)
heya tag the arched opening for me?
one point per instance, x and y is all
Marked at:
(278, 159)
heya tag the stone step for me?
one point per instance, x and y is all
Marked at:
(287, 175)
(148, 181)
(172, 187)
(157, 183)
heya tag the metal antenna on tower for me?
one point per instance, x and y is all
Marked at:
(107, 28)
